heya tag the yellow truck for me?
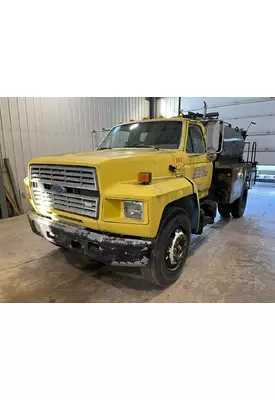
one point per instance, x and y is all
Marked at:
(136, 199)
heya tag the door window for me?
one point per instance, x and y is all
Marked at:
(195, 141)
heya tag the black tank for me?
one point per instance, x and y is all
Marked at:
(233, 144)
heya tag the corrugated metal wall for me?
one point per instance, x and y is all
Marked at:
(31, 127)
(168, 107)
(239, 111)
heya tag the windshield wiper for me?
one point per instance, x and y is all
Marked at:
(143, 145)
(104, 148)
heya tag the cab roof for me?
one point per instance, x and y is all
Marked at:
(147, 119)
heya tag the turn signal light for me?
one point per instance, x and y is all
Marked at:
(145, 178)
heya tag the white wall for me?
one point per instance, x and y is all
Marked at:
(31, 127)
(239, 111)
(168, 107)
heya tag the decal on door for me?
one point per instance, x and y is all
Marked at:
(199, 172)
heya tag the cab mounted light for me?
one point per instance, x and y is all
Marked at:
(144, 178)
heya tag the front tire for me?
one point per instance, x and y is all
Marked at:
(170, 249)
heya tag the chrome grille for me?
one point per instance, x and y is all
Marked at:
(82, 205)
(77, 182)
(64, 175)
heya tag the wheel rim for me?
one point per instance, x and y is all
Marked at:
(175, 252)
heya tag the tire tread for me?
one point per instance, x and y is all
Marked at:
(148, 271)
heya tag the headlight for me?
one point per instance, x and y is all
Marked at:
(133, 209)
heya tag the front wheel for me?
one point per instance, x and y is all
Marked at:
(170, 249)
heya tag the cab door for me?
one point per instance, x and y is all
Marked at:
(198, 168)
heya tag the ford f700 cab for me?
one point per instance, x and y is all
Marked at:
(137, 199)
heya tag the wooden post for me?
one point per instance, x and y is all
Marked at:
(12, 183)
(3, 202)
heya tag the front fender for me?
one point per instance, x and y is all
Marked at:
(180, 189)
(156, 196)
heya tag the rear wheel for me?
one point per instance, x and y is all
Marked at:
(238, 207)
(224, 210)
(170, 249)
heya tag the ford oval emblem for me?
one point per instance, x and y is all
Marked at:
(59, 189)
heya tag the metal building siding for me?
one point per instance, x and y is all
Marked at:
(168, 107)
(32, 127)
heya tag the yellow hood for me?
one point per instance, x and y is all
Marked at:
(117, 165)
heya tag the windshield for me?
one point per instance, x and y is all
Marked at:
(156, 134)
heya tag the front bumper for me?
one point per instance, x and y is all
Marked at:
(114, 250)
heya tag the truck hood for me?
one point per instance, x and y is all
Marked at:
(118, 165)
(96, 157)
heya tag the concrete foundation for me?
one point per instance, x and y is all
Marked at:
(232, 261)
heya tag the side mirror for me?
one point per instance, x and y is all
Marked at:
(214, 137)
